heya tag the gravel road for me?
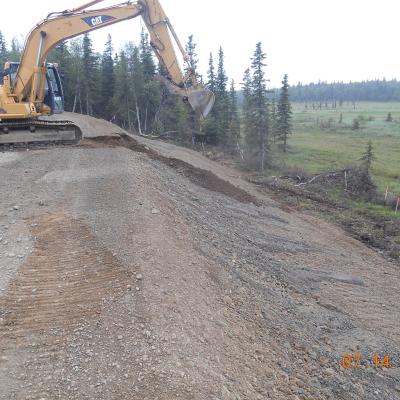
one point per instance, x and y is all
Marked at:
(134, 269)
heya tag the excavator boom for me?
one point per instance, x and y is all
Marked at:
(23, 94)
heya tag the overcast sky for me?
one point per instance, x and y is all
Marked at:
(311, 40)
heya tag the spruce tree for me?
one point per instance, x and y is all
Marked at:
(144, 92)
(121, 101)
(284, 115)
(234, 120)
(191, 122)
(146, 56)
(221, 107)
(364, 184)
(90, 75)
(368, 158)
(106, 90)
(274, 119)
(137, 83)
(247, 115)
(150, 99)
(77, 78)
(221, 79)
(211, 74)
(259, 102)
(193, 61)
(210, 125)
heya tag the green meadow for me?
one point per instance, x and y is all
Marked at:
(329, 139)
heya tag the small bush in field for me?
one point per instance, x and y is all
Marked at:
(356, 124)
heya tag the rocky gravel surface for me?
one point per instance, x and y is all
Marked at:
(128, 272)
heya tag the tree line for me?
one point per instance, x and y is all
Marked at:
(373, 90)
(9, 53)
(121, 86)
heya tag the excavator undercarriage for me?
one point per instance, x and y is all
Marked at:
(38, 132)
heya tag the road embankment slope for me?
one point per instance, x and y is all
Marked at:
(134, 269)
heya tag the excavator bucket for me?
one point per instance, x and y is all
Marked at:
(202, 101)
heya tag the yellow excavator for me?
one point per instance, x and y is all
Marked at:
(32, 88)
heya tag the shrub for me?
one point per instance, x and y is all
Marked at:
(361, 185)
(356, 124)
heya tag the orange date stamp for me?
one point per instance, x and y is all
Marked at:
(378, 361)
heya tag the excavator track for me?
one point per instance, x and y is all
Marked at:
(31, 133)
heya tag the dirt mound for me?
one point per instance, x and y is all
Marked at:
(198, 176)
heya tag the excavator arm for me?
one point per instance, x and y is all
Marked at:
(28, 85)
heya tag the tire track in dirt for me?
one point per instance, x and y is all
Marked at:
(64, 280)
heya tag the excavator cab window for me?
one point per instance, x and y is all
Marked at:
(11, 71)
(53, 91)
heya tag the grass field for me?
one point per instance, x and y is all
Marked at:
(321, 142)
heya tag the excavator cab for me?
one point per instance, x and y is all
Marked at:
(53, 90)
